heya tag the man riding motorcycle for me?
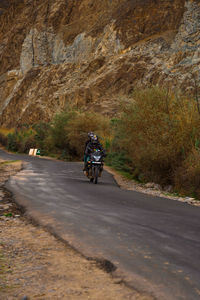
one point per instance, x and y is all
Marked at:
(91, 146)
(90, 135)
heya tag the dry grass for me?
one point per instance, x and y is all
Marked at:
(5, 131)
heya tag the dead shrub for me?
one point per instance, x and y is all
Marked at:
(187, 177)
(158, 130)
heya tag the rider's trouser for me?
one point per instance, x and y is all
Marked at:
(85, 161)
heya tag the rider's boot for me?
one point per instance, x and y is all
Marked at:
(86, 170)
(85, 167)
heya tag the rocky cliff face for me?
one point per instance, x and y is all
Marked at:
(89, 53)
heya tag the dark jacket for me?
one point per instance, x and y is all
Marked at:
(86, 143)
(91, 147)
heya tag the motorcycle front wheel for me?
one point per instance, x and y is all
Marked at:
(96, 174)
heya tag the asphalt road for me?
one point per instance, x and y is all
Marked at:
(153, 242)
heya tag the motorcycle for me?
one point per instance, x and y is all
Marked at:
(95, 165)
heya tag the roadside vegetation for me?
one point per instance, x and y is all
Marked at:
(156, 137)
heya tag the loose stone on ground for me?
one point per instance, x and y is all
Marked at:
(149, 188)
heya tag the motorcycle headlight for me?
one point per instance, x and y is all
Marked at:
(96, 158)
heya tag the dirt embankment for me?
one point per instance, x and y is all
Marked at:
(35, 265)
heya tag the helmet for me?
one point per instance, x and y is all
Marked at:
(90, 134)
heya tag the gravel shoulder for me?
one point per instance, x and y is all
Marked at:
(150, 188)
(35, 265)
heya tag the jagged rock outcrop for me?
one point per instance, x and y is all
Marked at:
(89, 53)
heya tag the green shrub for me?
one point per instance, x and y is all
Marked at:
(119, 161)
(12, 143)
(58, 127)
(3, 139)
(21, 141)
(26, 140)
(41, 134)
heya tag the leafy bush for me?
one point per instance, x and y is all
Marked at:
(12, 144)
(119, 161)
(58, 127)
(21, 141)
(41, 133)
(3, 136)
(82, 123)
(157, 130)
(26, 140)
(3, 139)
